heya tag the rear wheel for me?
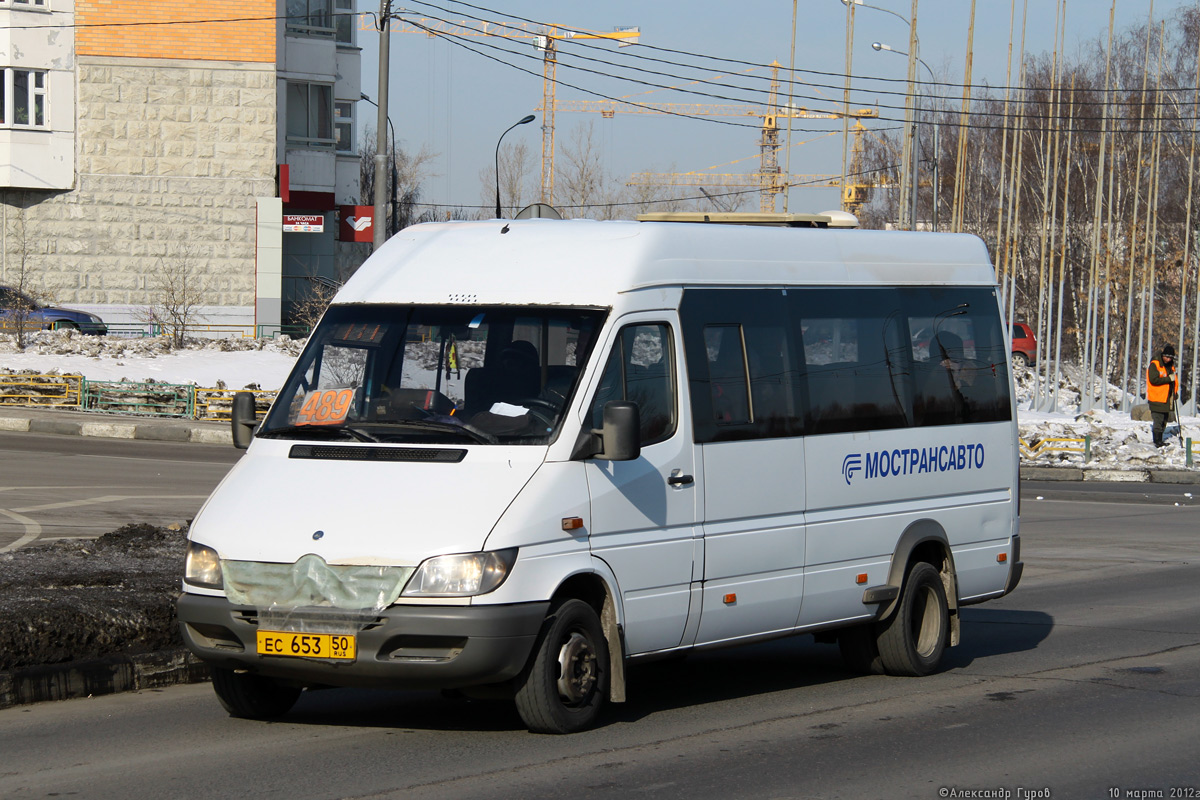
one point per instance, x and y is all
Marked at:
(912, 640)
(252, 696)
(1020, 360)
(565, 686)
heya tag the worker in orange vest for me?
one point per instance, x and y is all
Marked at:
(1162, 388)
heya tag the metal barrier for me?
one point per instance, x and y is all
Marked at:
(275, 331)
(147, 399)
(1191, 451)
(1039, 447)
(124, 397)
(217, 404)
(60, 391)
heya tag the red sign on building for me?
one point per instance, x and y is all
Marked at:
(304, 223)
(357, 224)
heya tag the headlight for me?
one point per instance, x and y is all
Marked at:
(461, 575)
(203, 566)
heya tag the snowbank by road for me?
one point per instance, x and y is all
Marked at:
(1116, 441)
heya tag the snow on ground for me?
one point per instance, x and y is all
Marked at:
(1117, 442)
(237, 363)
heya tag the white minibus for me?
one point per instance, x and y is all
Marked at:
(516, 456)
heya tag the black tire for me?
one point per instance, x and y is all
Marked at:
(566, 684)
(860, 650)
(912, 640)
(1019, 360)
(252, 696)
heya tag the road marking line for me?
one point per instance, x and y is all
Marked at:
(112, 498)
(32, 530)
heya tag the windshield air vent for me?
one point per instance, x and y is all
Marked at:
(351, 453)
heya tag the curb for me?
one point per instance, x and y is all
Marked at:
(1174, 477)
(75, 423)
(99, 676)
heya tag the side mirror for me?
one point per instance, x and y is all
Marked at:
(243, 419)
(620, 436)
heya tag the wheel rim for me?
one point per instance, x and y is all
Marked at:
(926, 620)
(578, 670)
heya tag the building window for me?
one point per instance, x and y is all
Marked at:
(23, 3)
(344, 21)
(310, 114)
(310, 18)
(23, 98)
(343, 126)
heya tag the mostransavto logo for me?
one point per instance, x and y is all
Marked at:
(912, 461)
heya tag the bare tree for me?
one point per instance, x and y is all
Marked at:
(179, 287)
(582, 188)
(407, 172)
(518, 179)
(308, 309)
(26, 295)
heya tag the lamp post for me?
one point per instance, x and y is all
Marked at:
(521, 121)
(385, 13)
(391, 228)
(907, 165)
(916, 159)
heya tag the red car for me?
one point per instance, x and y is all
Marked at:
(1024, 346)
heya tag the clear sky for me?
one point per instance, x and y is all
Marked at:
(457, 102)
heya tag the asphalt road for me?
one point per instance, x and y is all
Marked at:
(1084, 683)
(54, 486)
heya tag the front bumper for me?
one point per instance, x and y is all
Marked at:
(403, 647)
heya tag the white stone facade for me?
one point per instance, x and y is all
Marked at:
(171, 157)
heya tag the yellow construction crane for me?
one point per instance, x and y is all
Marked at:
(769, 179)
(545, 39)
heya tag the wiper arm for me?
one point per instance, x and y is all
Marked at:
(442, 427)
(310, 430)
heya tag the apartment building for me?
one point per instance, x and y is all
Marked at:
(146, 143)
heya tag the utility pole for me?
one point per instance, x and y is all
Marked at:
(378, 222)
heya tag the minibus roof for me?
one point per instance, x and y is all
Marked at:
(588, 263)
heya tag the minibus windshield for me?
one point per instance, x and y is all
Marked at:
(436, 374)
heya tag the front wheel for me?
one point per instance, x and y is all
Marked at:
(912, 640)
(252, 696)
(565, 686)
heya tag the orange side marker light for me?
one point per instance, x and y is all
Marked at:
(572, 523)
(861, 578)
(1003, 557)
(729, 599)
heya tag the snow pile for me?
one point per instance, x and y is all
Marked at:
(233, 362)
(1117, 442)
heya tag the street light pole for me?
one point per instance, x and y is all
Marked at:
(521, 121)
(909, 157)
(916, 159)
(391, 158)
(385, 26)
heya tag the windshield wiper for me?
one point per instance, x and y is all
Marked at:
(313, 430)
(442, 427)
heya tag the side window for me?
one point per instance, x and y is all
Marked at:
(744, 364)
(726, 353)
(640, 368)
(959, 350)
(855, 348)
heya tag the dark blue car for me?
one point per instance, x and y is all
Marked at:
(46, 317)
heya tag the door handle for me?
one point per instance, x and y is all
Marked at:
(680, 480)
